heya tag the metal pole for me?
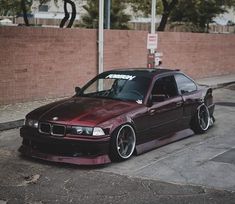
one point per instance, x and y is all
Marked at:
(101, 36)
(107, 13)
(153, 20)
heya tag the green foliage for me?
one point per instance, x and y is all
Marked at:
(118, 17)
(199, 13)
(13, 7)
(10, 7)
(144, 6)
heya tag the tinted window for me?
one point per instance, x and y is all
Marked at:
(165, 86)
(120, 86)
(43, 8)
(185, 85)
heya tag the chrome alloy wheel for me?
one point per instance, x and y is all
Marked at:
(203, 117)
(125, 141)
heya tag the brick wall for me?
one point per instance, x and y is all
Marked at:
(37, 63)
(199, 55)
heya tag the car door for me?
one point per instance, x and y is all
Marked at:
(165, 115)
(187, 88)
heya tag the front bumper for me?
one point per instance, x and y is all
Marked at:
(73, 150)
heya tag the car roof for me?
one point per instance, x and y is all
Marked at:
(146, 72)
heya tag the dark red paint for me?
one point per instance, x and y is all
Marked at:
(155, 124)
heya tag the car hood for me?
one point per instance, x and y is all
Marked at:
(82, 111)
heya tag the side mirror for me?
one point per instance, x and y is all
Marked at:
(77, 90)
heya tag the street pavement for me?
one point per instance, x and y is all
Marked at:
(198, 169)
(201, 160)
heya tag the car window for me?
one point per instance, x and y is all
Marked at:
(118, 86)
(165, 86)
(184, 84)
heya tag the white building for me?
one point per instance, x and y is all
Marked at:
(54, 12)
(223, 19)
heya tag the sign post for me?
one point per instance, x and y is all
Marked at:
(101, 41)
(152, 37)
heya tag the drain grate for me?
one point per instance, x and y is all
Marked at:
(227, 157)
(230, 104)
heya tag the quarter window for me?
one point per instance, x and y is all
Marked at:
(185, 85)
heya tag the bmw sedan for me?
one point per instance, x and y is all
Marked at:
(117, 114)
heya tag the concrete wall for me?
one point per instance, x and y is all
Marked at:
(38, 63)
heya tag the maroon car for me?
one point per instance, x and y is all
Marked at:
(116, 114)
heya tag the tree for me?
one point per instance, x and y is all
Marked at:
(168, 6)
(199, 13)
(15, 7)
(66, 14)
(164, 7)
(10, 7)
(118, 17)
(143, 7)
(25, 6)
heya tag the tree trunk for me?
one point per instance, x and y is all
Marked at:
(167, 8)
(66, 15)
(73, 15)
(23, 7)
(163, 22)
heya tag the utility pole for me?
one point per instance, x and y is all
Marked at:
(101, 42)
(101, 37)
(107, 14)
(153, 20)
(152, 38)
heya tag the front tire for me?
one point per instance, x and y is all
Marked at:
(123, 143)
(201, 120)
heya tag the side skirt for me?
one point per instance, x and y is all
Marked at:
(142, 148)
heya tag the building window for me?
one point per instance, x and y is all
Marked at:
(43, 8)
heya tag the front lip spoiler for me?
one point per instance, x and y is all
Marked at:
(92, 160)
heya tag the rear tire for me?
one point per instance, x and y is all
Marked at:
(122, 143)
(201, 121)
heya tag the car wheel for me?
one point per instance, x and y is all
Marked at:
(123, 143)
(201, 120)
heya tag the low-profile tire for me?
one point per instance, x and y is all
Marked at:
(122, 143)
(201, 120)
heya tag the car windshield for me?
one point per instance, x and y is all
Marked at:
(118, 86)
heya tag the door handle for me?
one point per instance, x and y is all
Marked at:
(178, 104)
(152, 111)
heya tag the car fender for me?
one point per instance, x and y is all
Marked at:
(117, 122)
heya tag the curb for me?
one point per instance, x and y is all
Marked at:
(11, 124)
(217, 86)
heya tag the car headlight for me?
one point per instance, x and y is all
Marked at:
(79, 130)
(31, 123)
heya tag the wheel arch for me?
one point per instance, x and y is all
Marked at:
(113, 151)
(121, 121)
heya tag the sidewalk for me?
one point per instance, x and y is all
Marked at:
(218, 81)
(12, 116)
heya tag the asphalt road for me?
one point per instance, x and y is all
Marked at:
(199, 169)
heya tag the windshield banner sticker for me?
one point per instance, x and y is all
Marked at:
(120, 76)
(139, 101)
